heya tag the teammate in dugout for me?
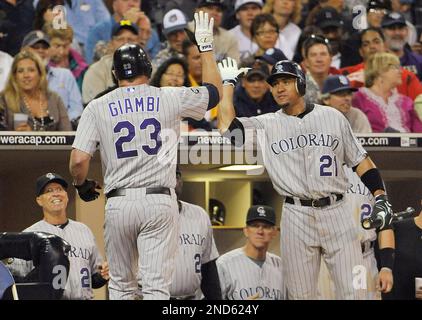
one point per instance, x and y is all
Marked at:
(195, 272)
(87, 268)
(251, 272)
(304, 147)
(139, 164)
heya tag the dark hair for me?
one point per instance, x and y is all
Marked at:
(373, 29)
(314, 39)
(261, 19)
(41, 8)
(186, 44)
(155, 81)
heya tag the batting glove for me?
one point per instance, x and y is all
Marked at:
(87, 191)
(382, 214)
(229, 71)
(204, 31)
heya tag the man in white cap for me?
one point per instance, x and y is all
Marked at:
(174, 25)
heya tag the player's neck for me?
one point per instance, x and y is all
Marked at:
(255, 253)
(295, 109)
(54, 218)
(135, 82)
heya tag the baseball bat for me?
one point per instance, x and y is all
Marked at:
(368, 223)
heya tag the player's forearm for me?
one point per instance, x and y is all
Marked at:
(226, 112)
(79, 166)
(210, 72)
(386, 239)
(363, 168)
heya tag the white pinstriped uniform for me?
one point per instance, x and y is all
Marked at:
(196, 247)
(137, 129)
(303, 158)
(242, 278)
(362, 202)
(84, 257)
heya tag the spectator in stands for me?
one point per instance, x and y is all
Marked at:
(336, 4)
(337, 93)
(53, 11)
(171, 73)
(246, 11)
(60, 80)
(404, 7)
(387, 110)
(99, 77)
(123, 10)
(287, 14)
(82, 15)
(375, 12)
(331, 23)
(15, 22)
(271, 56)
(317, 54)
(62, 55)
(253, 97)
(371, 41)
(265, 33)
(26, 92)
(174, 25)
(396, 33)
(225, 43)
(5, 65)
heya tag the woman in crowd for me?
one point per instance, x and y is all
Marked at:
(287, 14)
(26, 93)
(386, 109)
(171, 73)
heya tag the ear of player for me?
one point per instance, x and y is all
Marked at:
(229, 71)
(87, 190)
(204, 34)
(381, 216)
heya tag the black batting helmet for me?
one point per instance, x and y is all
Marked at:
(130, 61)
(290, 68)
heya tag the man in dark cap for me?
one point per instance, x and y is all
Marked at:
(396, 32)
(251, 272)
(337, 93)
(332, 25)
(253, 97)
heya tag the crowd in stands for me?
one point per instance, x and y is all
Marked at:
(362, 57)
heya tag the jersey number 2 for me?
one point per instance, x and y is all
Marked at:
(197, 258)
(85, 278)
(131, 132)
(325, 169)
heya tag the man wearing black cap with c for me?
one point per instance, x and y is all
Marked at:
(87, 268)
(396, 32)
(337, 93)
(251, 272)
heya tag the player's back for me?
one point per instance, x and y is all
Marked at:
(138, 130)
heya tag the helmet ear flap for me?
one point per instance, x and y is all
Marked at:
(300, 86)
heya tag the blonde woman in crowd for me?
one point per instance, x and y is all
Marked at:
(386, 109)
(26, 93)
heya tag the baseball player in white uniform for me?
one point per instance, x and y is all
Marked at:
(361, 201)
(304, 147)
(195, 270)
(251, 272)
(137, 127)
(87, 268)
